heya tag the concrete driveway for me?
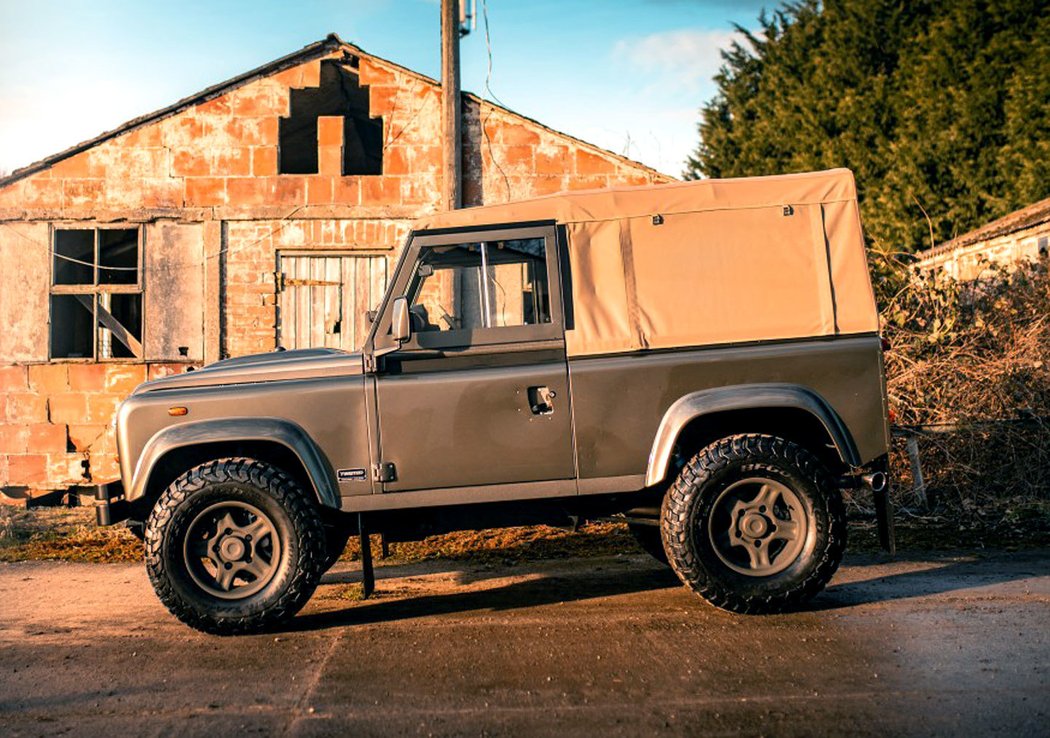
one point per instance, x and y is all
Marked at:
(954, 645)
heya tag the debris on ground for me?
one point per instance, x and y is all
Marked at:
(70, 534)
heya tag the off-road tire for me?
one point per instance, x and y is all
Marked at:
(689, 502)
(649, 539)
(295, 518)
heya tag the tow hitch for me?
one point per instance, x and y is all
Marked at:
(112, 506)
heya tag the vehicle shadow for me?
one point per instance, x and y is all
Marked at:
(559, 587)
(945, 573)
(937, 574)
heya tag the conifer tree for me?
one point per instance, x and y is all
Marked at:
(941, 108)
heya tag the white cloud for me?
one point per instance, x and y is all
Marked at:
(664, 78)
(683, 60)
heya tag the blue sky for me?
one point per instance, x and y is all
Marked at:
(628, 76)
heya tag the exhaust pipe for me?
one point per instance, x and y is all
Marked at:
(875, 481)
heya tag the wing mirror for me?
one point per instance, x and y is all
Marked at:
(401, 324)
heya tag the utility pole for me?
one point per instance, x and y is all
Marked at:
(452, 143)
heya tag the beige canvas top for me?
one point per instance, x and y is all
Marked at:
(728, 260)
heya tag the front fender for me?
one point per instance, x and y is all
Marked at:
(203, 432)
(743, 397)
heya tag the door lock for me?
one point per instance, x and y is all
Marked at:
(541, 400)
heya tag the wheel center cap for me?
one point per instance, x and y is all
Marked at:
(232, 548)
(754, 525)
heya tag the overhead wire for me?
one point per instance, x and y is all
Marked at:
(491, 94)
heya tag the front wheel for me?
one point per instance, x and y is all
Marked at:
(753, 524)
(235, 546)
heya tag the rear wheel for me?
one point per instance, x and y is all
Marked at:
(753, 524)
(235, 546)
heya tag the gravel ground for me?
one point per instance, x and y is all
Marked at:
(924, 645)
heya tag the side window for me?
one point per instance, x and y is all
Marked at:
(480, 285)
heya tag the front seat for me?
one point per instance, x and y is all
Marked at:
(420, 320)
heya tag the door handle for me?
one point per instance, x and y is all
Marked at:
(541, 400)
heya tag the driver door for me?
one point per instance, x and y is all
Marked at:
(478, 397)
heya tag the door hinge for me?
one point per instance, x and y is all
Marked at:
(278, 280)
(384, 472)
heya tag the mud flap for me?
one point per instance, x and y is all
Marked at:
(368, 578)
(884, 519)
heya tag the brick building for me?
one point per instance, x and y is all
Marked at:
(265, 210)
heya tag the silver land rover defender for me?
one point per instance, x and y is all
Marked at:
(702, 359)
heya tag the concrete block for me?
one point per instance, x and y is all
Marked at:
(205, 191)
(14, 438)
(588, 163)
(380, 190)
(85, 437)
(28, 470)
(13, 379)
(69, 408)
(122, 379)
(264, 161)
(66, 470)
(49, 379)
(320, 190)
(26, 407)
(101, 409)
(46, 438)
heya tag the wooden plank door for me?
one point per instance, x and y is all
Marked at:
(323, 299)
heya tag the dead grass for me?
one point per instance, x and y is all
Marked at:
(1012, 525)
(507, 546)
(62, 534)
(970, 367)
(71, 535)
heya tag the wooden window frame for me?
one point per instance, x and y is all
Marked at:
(93, 290)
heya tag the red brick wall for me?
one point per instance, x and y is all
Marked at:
(55, 421)
(217, 162)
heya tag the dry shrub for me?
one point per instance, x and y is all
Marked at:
(968, 371)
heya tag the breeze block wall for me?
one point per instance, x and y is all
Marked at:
(201, 180)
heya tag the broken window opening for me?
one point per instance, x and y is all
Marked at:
(70, 328)
(75, 257)
(118, 256)
(119, 326)
(339, 94)
(96, 294)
